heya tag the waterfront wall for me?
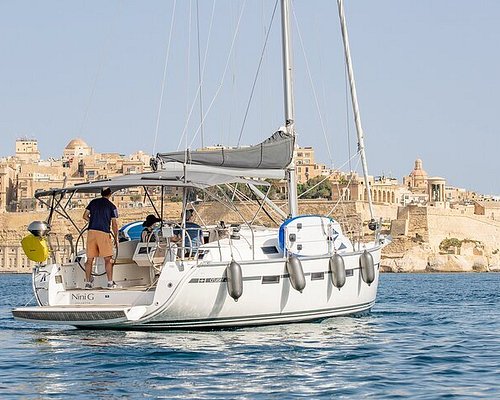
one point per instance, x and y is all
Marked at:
(415, 251)
(444, 224)
(425, 228)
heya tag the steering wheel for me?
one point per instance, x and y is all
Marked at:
(98, 266)
(152, 246)
(187, 250)
(156, 242)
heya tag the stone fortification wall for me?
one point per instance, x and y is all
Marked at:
(417, 251)
(432, 225)
(455, 224)
(345, 213)
(427, 227)
(13, 226)
(418, 223)
(387, 212)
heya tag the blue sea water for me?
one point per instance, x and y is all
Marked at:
(428, 337)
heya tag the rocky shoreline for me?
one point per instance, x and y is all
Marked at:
(420, 258)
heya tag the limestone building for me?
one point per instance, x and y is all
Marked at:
(351, 187)
(436, 191)
(417, 180)
(13, 259)
(27, 150)
(7, 186)
(490, 209)
(76, 149)
(305, 165)
(23, 174)
(457, 195)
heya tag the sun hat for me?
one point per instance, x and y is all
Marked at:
(150, 220)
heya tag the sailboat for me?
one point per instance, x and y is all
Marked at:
(238, 275)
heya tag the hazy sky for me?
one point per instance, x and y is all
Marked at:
(426, 72)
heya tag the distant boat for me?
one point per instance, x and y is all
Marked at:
(238, 275)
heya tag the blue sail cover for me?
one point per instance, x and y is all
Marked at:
(275, 152)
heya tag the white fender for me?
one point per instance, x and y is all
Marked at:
(337, 270)
(297, 278)
(234, 280)
(367, 267)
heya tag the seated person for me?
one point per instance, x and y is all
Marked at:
(147, 232)
(193, 238)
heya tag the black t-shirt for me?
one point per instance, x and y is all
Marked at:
(146, 232)
(101, 212)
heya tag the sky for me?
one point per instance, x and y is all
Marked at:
(426, 73)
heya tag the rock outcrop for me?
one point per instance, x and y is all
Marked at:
(409, 255)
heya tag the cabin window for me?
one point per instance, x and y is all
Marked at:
(317, 276)
(271, 279)
(270, 250)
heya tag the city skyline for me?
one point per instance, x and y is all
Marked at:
(425, 76)
(79, 149)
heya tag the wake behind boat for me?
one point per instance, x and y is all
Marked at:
(240, 274)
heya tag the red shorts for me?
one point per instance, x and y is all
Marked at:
(99, 244)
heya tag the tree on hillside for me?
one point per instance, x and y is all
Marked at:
(323, 190)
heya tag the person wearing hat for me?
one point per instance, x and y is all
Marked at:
(102, 216)
(151, 219)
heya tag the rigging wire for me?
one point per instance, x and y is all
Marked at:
(224, 73)
(313, 87)
(257, 72)
(199, 70)
(164, 77)
(188, 66)
(325, 178)
(347, 222)
(104, 55)
(347, 123)
(351, 178)
(183, 135)
(244, 199)
(232, 86)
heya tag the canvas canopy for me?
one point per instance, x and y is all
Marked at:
(193, 179)
(275, 152)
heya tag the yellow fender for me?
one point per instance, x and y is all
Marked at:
(35, 248)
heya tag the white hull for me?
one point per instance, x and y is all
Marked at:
(193, 294)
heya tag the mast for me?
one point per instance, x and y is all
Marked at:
(354, 99)
(289, 107)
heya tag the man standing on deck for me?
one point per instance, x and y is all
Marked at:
(101, 214)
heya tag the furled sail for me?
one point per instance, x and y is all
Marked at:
(276, 152)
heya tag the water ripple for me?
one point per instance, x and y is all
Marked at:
(429, 336)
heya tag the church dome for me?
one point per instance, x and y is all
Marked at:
(418, 171)
(75, 144)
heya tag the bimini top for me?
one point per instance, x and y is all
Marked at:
(275, 152)
(193, 179)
